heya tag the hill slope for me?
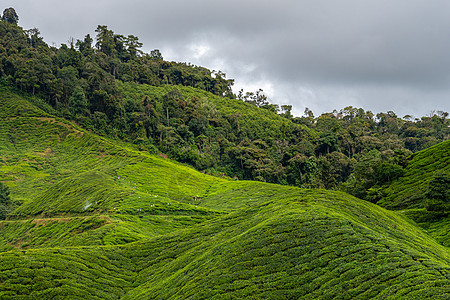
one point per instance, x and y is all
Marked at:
(70, 180)
(408, 193)
(310, 244)
(409, 190)
(100, 220)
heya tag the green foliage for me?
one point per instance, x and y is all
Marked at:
(410, 190)
(438, 193)
(91, 230)
(435, 224)
(373, 171)
(327, 143)
(85, 192)
(422, 193)
(101, 220)
(78, 102)
(5, 201)
(10, 16)
(298, 244)
(190, 113)
(286, 249)
(194, 126)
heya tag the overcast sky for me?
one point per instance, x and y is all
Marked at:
(380, 55)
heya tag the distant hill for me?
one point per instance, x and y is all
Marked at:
(98, 219)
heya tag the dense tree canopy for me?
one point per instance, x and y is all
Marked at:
(109, 85)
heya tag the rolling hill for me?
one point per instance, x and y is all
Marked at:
(409, 190)
(99, 219)
(407, 195)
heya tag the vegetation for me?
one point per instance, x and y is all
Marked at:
(422, 193)
(156, 228)
(280, 249)
(109, 216)
(5, 201)
(108, 85)
(438, 193)
(410, 191)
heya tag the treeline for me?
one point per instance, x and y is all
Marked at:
(111, 87)
(59, 75)
(351, 149)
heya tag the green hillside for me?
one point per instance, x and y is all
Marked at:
(314, 245)
(108, 85)
(254, 122)
(67, 180)
(408, 194)
(409, 191)
(97, 219)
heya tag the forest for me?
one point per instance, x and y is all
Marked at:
(108, 85)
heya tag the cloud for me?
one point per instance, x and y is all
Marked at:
(379, 55)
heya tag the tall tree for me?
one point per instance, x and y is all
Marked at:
(132, 43)
(33, 37)
(10, 16)
(105, 40)
(156, 54)
(85, 46)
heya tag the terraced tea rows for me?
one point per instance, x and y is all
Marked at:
(101, 220)
(279, 249)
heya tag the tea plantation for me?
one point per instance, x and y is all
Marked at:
(409, 190)
(408, 196)
(95, 218)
